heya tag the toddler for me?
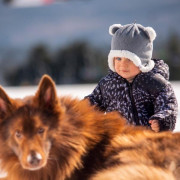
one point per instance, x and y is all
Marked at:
(136, 86)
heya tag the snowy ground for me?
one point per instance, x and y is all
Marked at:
(78, 91)
(75, 91)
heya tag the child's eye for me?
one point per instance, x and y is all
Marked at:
(118, 58)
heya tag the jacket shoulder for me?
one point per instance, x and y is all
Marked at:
(161, 68)
(153, 83)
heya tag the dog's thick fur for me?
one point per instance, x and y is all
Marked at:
(44, 137)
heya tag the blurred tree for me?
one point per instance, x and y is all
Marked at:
(77, 63)
(38, 63)
(170, 52)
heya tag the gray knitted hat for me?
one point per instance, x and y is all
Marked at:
(134, 42)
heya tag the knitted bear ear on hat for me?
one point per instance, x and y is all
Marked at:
(151, 33)
(113, 28)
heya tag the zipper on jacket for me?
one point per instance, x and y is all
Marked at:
(135, 114)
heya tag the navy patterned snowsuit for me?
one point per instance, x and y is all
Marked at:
(149, 96)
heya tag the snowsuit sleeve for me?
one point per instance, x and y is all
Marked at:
(96, 98)
(165, 108)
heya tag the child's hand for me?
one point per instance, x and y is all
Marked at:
(154, 125)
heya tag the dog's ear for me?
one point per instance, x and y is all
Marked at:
(5, 103)
(46, 94)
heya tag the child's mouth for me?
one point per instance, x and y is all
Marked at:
(124, 71)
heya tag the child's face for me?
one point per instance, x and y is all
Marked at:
(125, 67)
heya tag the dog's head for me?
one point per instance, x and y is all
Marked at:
(26, 124)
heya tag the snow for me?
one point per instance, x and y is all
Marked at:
(77, 91)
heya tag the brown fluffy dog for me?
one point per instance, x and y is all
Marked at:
(46, 138)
